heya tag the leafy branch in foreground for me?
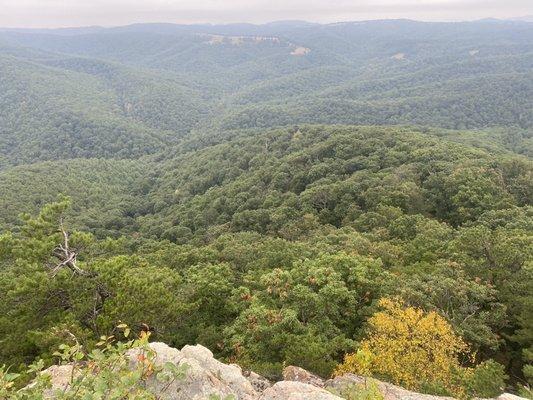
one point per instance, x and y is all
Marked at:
(112, 371)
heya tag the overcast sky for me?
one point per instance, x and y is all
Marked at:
(61, 13)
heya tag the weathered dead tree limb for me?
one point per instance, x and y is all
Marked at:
(67, 256)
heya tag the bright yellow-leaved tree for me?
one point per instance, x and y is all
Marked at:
(408, 347)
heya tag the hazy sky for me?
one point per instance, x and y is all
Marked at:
(60, 13)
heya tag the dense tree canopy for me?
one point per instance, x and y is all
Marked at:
(206, 203)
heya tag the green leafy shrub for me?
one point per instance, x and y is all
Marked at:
(485, 380)
(108, 372)
(366, 391)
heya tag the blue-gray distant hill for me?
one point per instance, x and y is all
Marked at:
(126, 91)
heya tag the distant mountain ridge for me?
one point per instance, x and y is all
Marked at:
(232, 28)
(525, 18)
(136, 89)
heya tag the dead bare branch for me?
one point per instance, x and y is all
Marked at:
(67, 256)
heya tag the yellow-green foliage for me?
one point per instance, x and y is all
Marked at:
(408, 346)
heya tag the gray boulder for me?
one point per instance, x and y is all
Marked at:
(205, 376)
(348, 382)
(289, 390)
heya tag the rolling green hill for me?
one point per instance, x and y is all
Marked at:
(72, 108)
(105, 192)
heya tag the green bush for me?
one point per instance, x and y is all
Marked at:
(107, 372)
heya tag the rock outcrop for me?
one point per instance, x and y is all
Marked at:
(205, 377)
(208, 378)
(344, 383)
(287, 390)
(259, 382)
(301, 375)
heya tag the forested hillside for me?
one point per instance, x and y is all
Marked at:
(280, 193)
(152, 84)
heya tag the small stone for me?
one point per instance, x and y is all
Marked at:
(298, 374)
(259, 383)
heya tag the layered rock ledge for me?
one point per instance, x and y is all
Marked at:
(208, 378)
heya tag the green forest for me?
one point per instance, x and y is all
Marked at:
(213, 185)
